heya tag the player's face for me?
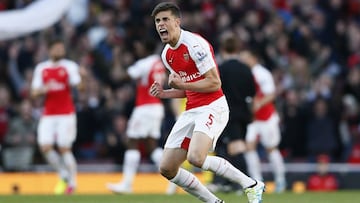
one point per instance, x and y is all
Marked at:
(57, 51)
(168, 27)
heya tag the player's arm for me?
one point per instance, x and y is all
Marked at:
(269, 98)
(267, 86)
(83, 77)
(157, 90)
(210, 83)
(38, 92)
(38, 88)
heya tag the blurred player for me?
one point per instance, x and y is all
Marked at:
(265, 124)
(194, 75)
(53, 79)
(146, 118)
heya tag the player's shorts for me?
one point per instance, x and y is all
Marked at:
(145, 121)
(210, 119)
(234, 130)
(57, 129)
(269, 131)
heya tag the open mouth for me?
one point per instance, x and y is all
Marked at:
(163, 33)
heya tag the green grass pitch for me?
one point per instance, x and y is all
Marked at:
(333, 197)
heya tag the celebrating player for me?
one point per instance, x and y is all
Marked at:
(194, 75)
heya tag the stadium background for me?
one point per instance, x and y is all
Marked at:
(312, 48)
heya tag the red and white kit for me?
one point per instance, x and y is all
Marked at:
(148, 113)
(205, 112)
(58, 122)
(266, 123)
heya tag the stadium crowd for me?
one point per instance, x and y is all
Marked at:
(312, 48)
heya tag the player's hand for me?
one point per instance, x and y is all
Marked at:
(175, 81)
(156, 90)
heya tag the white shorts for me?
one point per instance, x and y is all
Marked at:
(210, 119)
(269, 131)
(57, 129)
(145, 121)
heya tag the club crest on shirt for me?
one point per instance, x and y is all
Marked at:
(186, 56)
(171, 60)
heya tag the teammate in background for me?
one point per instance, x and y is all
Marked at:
(194, 75)
(146, 118)
(239, 88)
(53, 79)
(265, 124)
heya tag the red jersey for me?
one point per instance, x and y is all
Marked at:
(59, 77)
(191, 58)
(264, 83)
(326, 182)
(146, 71)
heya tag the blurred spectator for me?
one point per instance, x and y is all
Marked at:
(116, 138)
(20, 140)
(322, 180)
(293, 141)
(350, 129)
(321, 126)
(5, 111)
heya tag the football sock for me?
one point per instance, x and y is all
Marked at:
(70, 163)
(277, 163)
(131, 163)
(54, 159)
(156, 156)
(254, 165)
(222, 167)
(191, 184)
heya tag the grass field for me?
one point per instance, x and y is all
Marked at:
(335, 197)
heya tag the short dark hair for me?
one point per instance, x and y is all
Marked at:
(166, 6)
(230, 44)
(54, 40)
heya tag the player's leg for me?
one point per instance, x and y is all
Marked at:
(251, 155)
(198, 156)
(152, 147)
(66, 132)
(199, 145)
(46, 140)
(208, 127)
(271, 140)
(131, 163)
(137, 129)
(155, 114)
(170, 168)
(174, 155)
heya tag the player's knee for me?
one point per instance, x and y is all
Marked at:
(196, 159)
(251, 146)
(46, 148)
(167, 172)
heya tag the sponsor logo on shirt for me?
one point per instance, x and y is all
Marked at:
(186, 78)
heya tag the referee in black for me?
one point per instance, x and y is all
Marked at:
(239, 88)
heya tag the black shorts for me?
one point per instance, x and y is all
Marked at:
(234, 130)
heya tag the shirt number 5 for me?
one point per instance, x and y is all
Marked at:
(210, 121)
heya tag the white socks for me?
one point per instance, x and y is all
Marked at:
(191, 184)
(70, 163)
(131, 163)
(223, 168)
(54, 159)
(254, 165)
(156, 156)
(277, 163)
(65, 165)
